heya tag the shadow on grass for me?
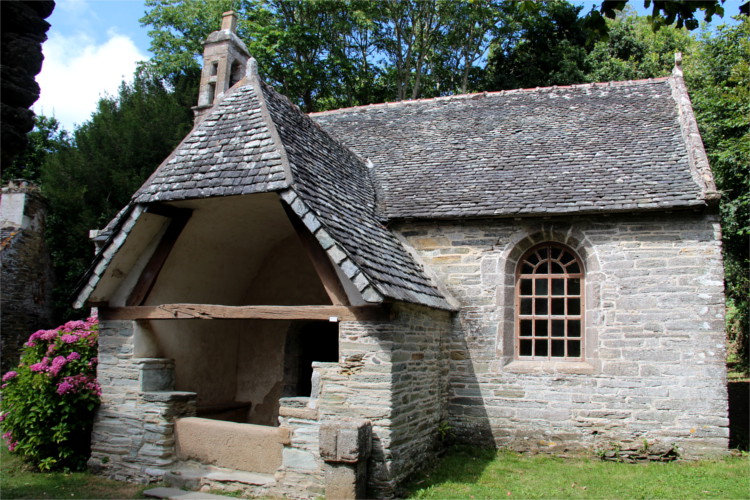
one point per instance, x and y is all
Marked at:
(739, 415)
(460, 464)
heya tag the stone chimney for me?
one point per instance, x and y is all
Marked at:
(225, 59)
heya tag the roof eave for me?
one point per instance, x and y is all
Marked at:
(694, 205)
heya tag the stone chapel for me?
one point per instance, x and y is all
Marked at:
(292, 302)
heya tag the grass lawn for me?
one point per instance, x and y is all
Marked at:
(469, 473)
(465, 473)
(17, 480)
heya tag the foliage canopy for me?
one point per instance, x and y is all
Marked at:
(86, 185)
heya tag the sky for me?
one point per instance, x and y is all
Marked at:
(93, 45)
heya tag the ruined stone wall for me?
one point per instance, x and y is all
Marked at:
(302, 473)
(654, 364)
(394, 374)
(26, 280)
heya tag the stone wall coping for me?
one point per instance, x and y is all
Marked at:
(168, 396)
(549, 367)
(296, 412)
(147, 363)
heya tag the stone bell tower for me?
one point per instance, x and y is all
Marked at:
(225, 60)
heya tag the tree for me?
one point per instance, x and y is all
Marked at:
(326, 54)
(539, 45)
(406, 35)
(307, 38)
(46, 138)
(179, 27)
(297, 43)
(126, 138)
(719, 80)
(469, 26)
(681, 13)
(633, 50)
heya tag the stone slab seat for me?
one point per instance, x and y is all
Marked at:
(243, 447)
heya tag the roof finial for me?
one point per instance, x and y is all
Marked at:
(677, 70)
(229, 21)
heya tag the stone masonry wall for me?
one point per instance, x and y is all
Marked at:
(133, 435)
(654, 364)
(394, 374)
(301, 474)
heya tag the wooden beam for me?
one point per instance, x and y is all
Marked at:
(320, 261)
(146, 280)
(211, 311)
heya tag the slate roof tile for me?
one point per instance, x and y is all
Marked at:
(586, 148)
(232, 142)
(336, 185)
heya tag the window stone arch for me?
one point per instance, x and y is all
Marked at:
(517, 245)
(549, 308)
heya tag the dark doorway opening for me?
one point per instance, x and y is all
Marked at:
(308, 342)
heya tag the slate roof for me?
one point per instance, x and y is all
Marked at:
(255, 140)
(585, 148)
(231, 152)
(336, 184)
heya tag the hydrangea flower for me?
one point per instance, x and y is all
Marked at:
(69, 338)
(48, 335)
(73, 325)
(57, 364)
(64, 356)
(41, 366)
(64, 388)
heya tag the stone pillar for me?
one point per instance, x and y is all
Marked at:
(133, 436)
(345, 446)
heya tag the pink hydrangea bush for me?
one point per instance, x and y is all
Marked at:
(48, 401)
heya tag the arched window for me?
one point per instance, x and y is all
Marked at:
(549, 304)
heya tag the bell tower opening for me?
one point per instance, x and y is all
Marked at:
(225, 59)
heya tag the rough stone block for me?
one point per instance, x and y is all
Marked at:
(156, 374)
(298, 460)
(347, 440)
(345, 481)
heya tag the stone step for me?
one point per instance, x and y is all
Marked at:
(196, 476)
(178, 494)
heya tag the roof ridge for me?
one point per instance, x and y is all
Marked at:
(379, 198)
(256, 82)
(479, 95)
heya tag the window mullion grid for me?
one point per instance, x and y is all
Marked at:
(533, 315)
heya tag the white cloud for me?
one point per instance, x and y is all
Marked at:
(77, 71)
